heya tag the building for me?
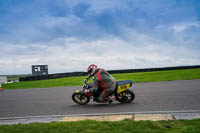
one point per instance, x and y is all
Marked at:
(39, 70)
(3, 79)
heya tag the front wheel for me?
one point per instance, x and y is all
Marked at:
(80, 98)
(126, 96)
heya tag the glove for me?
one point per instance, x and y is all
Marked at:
(85, 86)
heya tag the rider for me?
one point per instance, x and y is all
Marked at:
(103, 83)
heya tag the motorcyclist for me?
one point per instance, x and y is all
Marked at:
(104, 83)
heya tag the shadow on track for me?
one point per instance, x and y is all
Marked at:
(101, 105)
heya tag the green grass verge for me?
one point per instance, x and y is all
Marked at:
(157, 76)
(125, 126)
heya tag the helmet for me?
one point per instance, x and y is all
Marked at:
(91, 70)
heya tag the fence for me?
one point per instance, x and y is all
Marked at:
(73, 74)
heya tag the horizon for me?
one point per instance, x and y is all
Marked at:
(106, 70)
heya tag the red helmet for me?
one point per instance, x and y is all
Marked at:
(91, 70)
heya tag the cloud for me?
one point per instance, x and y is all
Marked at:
(91, 19)
(68, 35)
(183, 26)
(72, 54)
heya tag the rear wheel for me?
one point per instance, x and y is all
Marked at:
(80, 98)
(126, 96)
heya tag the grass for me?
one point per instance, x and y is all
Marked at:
(156, 76)
(89, 126)
(72, 81)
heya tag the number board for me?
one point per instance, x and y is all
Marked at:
(77, 91)
(123, 88)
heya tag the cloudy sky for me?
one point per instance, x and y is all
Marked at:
(68, 35)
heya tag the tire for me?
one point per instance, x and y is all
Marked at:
(126, 96)
(80, 98)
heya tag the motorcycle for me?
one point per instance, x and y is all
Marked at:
(122, 93)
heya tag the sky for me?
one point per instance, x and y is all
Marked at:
(69, 35)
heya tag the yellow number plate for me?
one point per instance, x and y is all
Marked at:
(77, 91)
(123, 88)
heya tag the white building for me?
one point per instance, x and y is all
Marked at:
(3, 79)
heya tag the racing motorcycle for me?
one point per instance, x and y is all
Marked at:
(122, 93)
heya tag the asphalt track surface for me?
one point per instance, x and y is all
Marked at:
(157, 96)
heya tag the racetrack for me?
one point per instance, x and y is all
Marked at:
(157, 96)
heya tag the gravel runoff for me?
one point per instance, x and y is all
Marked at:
(151, 115)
